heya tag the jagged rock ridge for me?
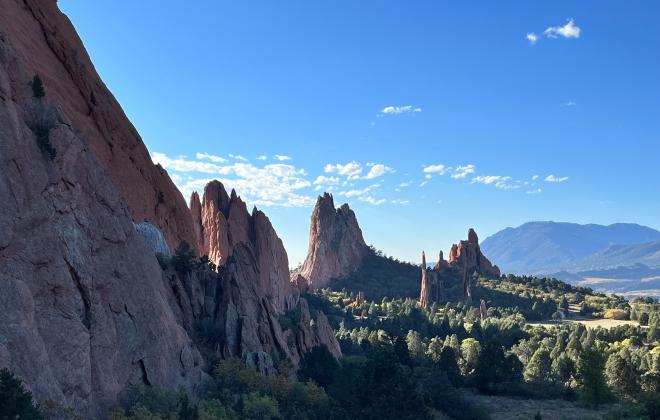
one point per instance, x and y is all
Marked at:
(221, 223)
(86, 307)
(336, 245)
(465, 258)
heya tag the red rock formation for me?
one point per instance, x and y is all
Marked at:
(424, 298)
(336, 245)
(84, 308)
(483, 311)
(45, 43)
(464, 259)
(222, 223)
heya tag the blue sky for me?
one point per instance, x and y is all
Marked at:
(427, 117)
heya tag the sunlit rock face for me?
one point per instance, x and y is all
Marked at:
(336, 245)
(222, 223)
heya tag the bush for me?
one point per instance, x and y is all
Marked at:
(615, 314)
(38, 90)
(43, 141)
(184, 258)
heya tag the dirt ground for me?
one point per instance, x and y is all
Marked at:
(589, 323)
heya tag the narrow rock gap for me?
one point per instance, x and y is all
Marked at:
(84, 295)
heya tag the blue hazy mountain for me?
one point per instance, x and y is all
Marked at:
(550, 247)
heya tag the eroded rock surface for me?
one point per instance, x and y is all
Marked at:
(336, 245)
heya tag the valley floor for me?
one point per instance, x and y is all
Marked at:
(506, 408)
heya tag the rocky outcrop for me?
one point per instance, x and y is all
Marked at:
(84, 308)
(336, 245)
(431, 290)
(222, 223)
(465, 258)
(45, 43)
(232, 312)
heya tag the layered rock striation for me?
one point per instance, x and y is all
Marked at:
(336, 245)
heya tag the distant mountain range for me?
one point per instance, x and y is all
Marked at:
(621, 257)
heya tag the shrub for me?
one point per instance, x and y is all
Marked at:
(615, 314)
(43, 141)
(184, 258)
(38, 90)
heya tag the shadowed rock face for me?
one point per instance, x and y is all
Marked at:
(222, 223)
(45, 43)
(336, 245)
(84, 308)
(234, 313)
(464, 259)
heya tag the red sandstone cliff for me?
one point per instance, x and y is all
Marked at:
(44, 42)
(336, 245)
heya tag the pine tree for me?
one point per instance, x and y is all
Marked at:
(38, 90)
(539, 367)
(15, 400)
(591, 378)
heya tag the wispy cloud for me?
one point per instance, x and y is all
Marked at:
(499, 181)
(238, 157)
(378, 169)
(535, 177)
(212, 158)
(461, 172)
(405, 184)
(262, 157)
(372, 200)
(327, 180)
(532, 37)
(438, 169)
(553, 178)
(282, 157)
(401, 202)
(569, 104)
(351, 170)
(275, 184)
(569, 30)
(534, 191)
(397, 110)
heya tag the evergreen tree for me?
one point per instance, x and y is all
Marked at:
(622, 375)
(539, 367)
(449, 365)
(591, 378)
(38, 90)
(15, 400)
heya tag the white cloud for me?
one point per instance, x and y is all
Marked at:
(212, 158)
(461, 172)
(371, 200)
(271, 185)
(401, 202)
(536, 191)
(396, 110)
(532, 37)
(351, 170)
(378, 169)
(436, 169)
(421, 184)
(535, 177)
(282, 157)
(502, 182)
(262, 157)
(552, 178)
(569, 103)
(567, 31)
(322, 179)
(405, 184)
(238, 157)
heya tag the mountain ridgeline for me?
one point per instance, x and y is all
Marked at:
(615, 257)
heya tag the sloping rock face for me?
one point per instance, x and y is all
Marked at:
(84, 308)
(235, 316)
(45, 43)
(222, 223)
(336, 245)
